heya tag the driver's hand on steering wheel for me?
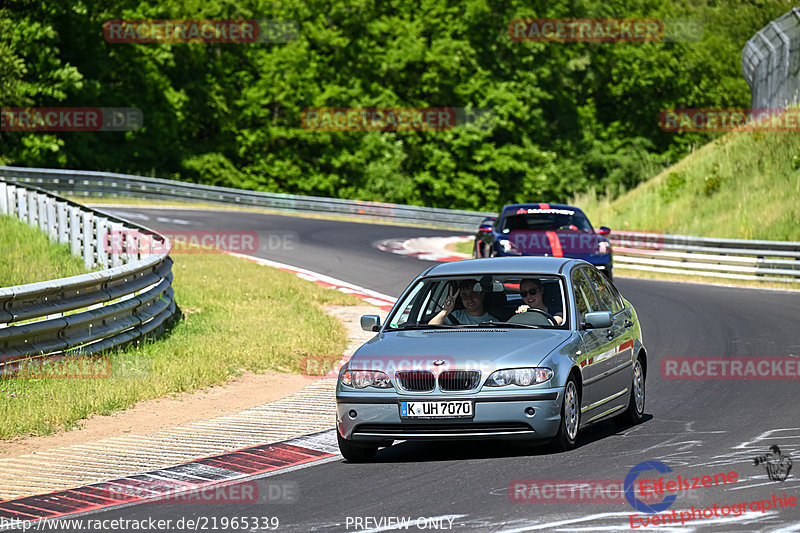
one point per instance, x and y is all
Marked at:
(522, 308)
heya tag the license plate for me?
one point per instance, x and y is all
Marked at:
(439, 409)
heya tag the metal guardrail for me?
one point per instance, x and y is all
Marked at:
(123, 185)
(707, 256)
(676, 254)
(771, 63)
(130, 299)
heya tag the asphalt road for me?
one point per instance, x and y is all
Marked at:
(696, 427)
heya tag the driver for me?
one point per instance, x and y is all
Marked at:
(473, 312)
(532, 291)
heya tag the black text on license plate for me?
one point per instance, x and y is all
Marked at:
(437, 409)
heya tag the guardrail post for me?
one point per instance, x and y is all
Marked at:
(41, 211)
(62, 229)
(52, 223)
(9, 199)
(74, 230)
(101, 238)
(116, 241)
(88, 240)
(22, 204)
(31, 208)
(3, 202)
(131, 245)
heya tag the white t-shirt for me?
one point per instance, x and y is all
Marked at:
(465, 318)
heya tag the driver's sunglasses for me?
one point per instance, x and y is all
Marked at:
(532, 292)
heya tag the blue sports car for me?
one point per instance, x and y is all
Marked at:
(544, 229)
(532, 348)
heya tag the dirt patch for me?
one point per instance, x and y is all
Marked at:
(151, 416)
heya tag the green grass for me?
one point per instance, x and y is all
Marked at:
(28, 255)
(464, 247)
(240, 317)
(743, 185)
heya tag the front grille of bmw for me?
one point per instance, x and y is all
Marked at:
(449, 380)
(416, 380)
(458, 380)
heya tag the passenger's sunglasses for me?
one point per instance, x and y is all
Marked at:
(532, 292)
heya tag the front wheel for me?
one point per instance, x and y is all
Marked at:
(355, 453)
(633, 414)
(567, 435)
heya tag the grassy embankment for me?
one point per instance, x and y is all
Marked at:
(240, 317)
(744, 185)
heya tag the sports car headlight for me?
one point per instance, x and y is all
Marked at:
(519, 376)
(361, 379)
(602, 248)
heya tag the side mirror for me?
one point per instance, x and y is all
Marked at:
(487, 224)
(597, 319)
(370, 322)
(604, 230)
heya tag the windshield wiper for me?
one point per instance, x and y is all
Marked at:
(424, 326)
(504, 324)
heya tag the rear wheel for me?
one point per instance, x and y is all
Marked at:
(567, 434)
(633, 414)
(355, 453)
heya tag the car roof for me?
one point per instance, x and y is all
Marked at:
(539, 205)
(504, 265)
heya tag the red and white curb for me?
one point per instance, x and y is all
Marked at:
(191, 482)
(383, 301)
(426, 248)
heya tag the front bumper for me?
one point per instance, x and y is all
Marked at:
(377, 417)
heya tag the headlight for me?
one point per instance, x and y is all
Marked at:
(602, 248)
(519, 376)
(361, 379)
(508, 246)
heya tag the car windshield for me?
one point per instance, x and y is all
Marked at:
(483, 300)
(546, 219)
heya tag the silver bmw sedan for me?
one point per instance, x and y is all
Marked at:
(532, 348)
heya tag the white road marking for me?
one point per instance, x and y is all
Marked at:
(174, 221)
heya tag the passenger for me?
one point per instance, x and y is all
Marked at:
(473, 312)
(532, 292)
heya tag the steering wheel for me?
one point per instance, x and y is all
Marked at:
(549, 317)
